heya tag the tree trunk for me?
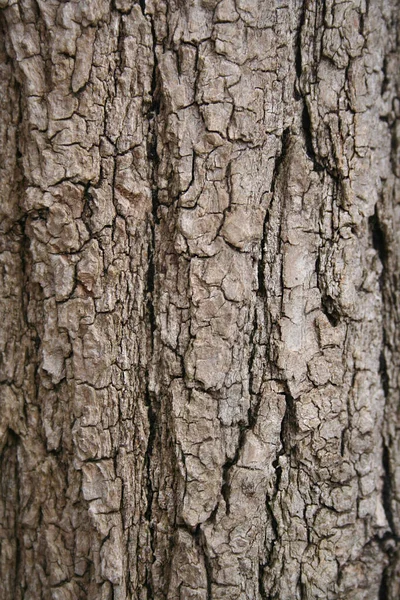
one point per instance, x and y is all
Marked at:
(199, 263)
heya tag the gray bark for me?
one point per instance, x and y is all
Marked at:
(200, 241)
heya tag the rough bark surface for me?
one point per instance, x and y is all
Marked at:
(200, 242)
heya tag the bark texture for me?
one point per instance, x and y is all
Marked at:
(200, 242)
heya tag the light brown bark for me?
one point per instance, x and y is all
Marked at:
(199, 288)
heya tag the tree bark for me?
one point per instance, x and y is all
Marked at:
(199, 255)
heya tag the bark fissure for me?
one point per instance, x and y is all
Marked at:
(153, 406)
(387, 491)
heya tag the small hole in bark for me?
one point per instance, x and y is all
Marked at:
(330, 311)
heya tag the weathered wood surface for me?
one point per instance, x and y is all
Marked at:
(200, 241)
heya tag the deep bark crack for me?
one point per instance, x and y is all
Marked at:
(150, 398)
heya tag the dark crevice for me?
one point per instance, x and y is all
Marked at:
(394, 145)
(328, 305)
(150, 397)
(288, 425)
(384, 374)
(301, 587)
(298, 58)
(155, 204)
(343, 440)
(226, 468)
(87, 213)
(153, 111)
(142, 4)
(152, 418)
(280, 158)
(254, 408)
(202, 545)
(150, 288)
(274, 522)
(385, 80)
(299, 94)
(308, 140)
(378, 237)
(387, 490)
(388, 546)
(384, 588)
(261, 291)
(329, 310)
(261, 586)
